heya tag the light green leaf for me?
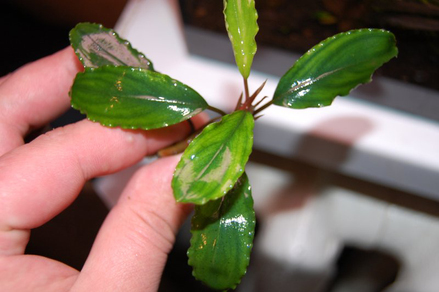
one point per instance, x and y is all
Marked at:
(222, 238)
(98, 46)
(214, 160)
(334, 67)
(133, 98)
(240, 17)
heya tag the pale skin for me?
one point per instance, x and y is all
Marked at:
(40, 179)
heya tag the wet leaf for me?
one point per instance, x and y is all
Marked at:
(241, 24)
(98, 46)
(133, 98)
(334, 67)
(214, 160)
(222, 238)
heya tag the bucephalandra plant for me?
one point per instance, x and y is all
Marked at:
(120, 88)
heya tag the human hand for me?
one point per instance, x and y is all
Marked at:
(40, 179)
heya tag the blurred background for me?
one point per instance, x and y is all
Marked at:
(33, 29)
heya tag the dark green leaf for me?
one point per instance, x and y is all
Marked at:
(133, 98)
(214, 160)
(98, 46)
(222, 238)
(240, 17)
(334, 67)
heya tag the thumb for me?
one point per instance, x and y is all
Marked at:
(131, 248)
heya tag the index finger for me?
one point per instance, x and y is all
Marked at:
(34, 95)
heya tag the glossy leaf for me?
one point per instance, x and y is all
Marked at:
(133, 98)
(334, 67)
(240, 17)
(98, 46)
(222, 238)
(214, 160)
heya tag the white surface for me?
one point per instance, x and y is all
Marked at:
(155, 28)
(305, 226)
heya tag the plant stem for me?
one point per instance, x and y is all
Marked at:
(239, 103)
(191, 125)
(181, 145)
(257, 111)
(246, 89)
(248, 104)
(256, 93)
(217, 110)
(259, 102)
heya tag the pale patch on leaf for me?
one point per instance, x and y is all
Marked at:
(214, 160)
(98, 46)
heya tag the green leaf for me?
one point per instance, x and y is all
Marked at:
(240, 17)
(334, 67)
(133, 98)
(98, 46)
(222, 238)
(214, 160)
